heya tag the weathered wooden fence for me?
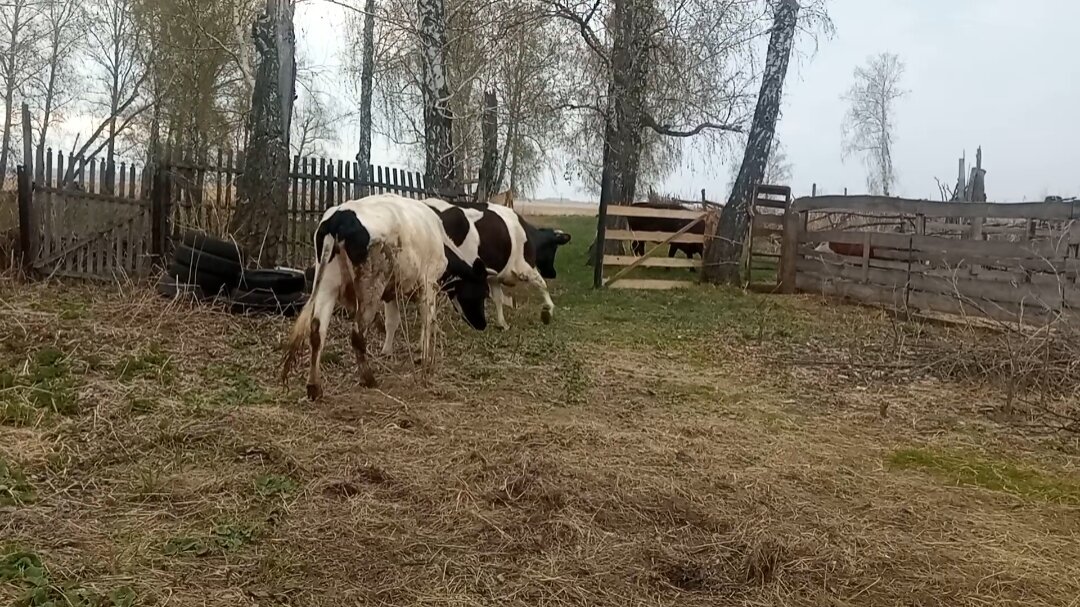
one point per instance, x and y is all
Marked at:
(86, 219)
(655, 240)
(90, 220)
(766, 209)
(1010, 262)
(202, 194)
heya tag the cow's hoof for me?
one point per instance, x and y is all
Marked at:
(545, 316)
(367, 378)
(503, 327)
(314, 391)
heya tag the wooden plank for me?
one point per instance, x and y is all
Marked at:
(629, 211)
(655, 237)
(649, 284)
(295, 217)
(880, 204)
(339, 185)
(652, 262)
(93, 187)
(769, 221)
(938, 244)
(87, 196)
(641, 260)
(1043, 296)
(304, 186)
(789, 249)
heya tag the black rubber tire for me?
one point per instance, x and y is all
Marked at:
(264, 301)
(171, 288)
(210, 283)
(278, 280)
(201, 241)
(226, 269)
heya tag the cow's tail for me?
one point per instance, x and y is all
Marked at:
(301, 329)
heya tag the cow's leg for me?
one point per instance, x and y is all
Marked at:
(391, 322)
(533, 277)
(428, 301)
(368, 286)
(320, 322)
(498, 296)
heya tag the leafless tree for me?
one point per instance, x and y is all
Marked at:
(259, 220)
(314, 124)
(778, 168)
(20, 31)
(54, 89)
(870, 124)
(723, 253)
(367, 73)
(115, 48)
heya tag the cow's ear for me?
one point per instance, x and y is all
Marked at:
(561, 237)
(479, 269)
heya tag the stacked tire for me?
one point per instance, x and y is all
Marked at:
(208, 267)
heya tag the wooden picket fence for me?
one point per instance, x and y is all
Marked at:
(83, 218)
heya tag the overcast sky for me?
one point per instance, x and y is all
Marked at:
(1003, 74)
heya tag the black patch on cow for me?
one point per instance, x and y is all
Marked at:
(348, 232)
(541, 245)
(494, 240)
(455, 223)
(468, 286)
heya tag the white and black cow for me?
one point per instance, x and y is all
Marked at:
(513, 250)
(377, 249)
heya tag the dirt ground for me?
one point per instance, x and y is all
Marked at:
(704, 447)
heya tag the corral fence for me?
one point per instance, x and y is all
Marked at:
(83, 218)
(652, 242)
(1013, 262)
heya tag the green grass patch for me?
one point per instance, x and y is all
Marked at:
(151, 363)
(14, 488)
(273, 485)
(25, 570)
(47, 386)
(974, 471)
(236, 387)
(223, 538)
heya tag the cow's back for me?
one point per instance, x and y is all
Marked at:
(412, 232)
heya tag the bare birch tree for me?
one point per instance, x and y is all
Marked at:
(259, 220)
(19, 35)
(367, 73)
(57, 87)
(314, 124)
(723, 252)
(870, 123)
(115, 48)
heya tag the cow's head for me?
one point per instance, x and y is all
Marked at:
(548, 242)
(467, 287)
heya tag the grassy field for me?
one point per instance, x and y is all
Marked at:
(701, 447)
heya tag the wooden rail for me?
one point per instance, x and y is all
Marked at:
(628, 263)
(1011, 262)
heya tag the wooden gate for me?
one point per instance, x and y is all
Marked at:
(652, 241)
(90, 221)
(762, 259)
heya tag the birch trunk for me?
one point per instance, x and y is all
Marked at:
(367, 70)
(261, 211)
(438, 119)
(724, 249)
(486, 181)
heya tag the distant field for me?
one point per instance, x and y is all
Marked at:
(701, 448)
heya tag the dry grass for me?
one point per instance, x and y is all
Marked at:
(646, 449)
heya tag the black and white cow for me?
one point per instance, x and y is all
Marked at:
(513, 250)
(377, 249)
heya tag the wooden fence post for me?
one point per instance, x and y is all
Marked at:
(159, 210)
(27, 249)
(789, 249)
